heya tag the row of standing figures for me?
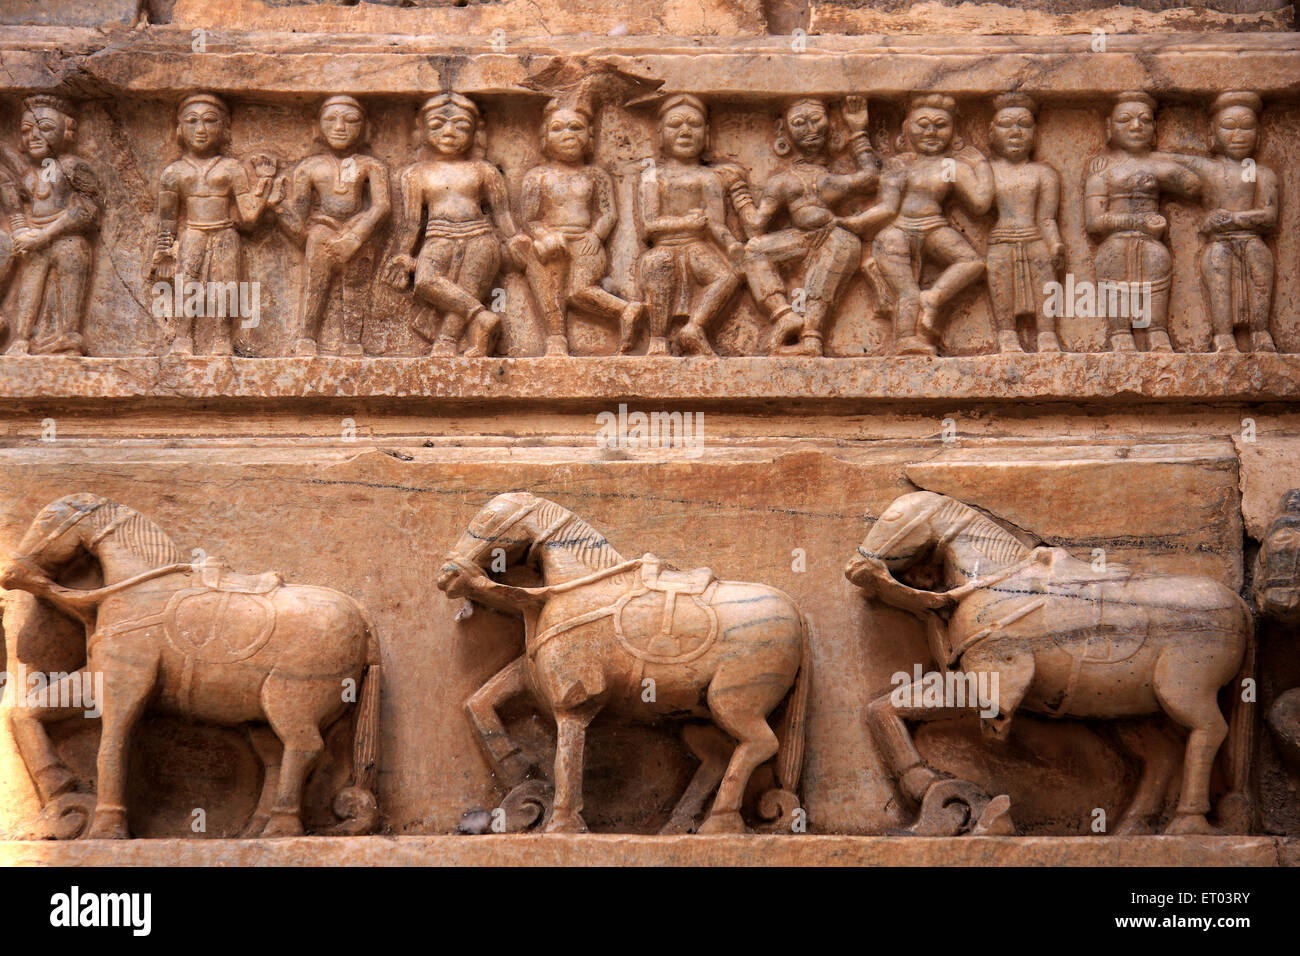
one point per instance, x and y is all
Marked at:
(1055, 635)
(455, 229)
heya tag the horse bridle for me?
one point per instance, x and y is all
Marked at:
(492, 535)
(67, 524)
(958, 526)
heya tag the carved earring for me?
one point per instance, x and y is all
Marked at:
(781, 145)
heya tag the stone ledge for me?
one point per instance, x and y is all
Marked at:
(843, 382)
(625, 850)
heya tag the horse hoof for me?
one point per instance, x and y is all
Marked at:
(108, 825)
(256, 824)
(950, 807)
(283, 825)
(723, 823)
(569, 823)
(995, 820)
(677, 825)
(1190, 824)
(526, 804)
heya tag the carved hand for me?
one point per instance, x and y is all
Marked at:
(163, 263)
(29, 240)
(1154, 224)
(855, 113)
(398, 271)
(264, 165)
(1217, 221)
(1058, 256)
(589, 245)
(550, 246)
(517, 249)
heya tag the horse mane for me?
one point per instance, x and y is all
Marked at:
(137, 534)
(581, 540)
(984, 534)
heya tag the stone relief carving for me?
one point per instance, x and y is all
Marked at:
(1277, 599)
(641, 641)
(52, 200)
(462, 248)
(203, 642)
(204, 199)
(1063, 639)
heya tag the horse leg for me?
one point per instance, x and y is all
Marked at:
(295, 710)
(270, 751)
(570, 737)
(712, 748)
(736, 710)
(127, 687)
(1150, 745)
(503, 752)
(1188, 695)
(50, 775)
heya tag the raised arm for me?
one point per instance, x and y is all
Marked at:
(251, 195)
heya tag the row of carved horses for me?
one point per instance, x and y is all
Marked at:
(1061, 638)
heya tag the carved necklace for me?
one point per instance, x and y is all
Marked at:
(202, 169)
(340, 188)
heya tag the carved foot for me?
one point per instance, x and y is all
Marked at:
(19, 347)
(1048, 342)
(658, 346)
(1184, 824)
(351, 350)
(67, 343)
(565, 823)
(629, 326)
(1122, 342)
(305, 346)
(222, 346)
(1225, 343)
(557, 345)
(109, 824)
(914, 345)
(283, 825)
(443, 345)
(1009, 343)
(810, 343)
(182, 345)
(723, 822)
(1262, 342)
(693, 341)
(1158, 341)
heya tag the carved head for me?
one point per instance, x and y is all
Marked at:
(47, 127)
(1014, 125)
(899, 538)
(496, 531)
(1234, 124)
(449, 123)
(930, 124)
(806, 127)
(1133, 122)
(342, 122)
(1277, 568)
(53, 539)
(683, 126)
(203, 124)
(566, 132)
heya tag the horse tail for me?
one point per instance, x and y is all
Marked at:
(1236, 811)
(355, 805)
(780, 804)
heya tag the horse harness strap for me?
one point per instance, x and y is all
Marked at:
(594, 615)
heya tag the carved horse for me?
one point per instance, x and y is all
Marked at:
(601, 629)
(203, 643)
(1062, 639)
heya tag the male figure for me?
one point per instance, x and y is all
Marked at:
(214, 194)
(1025, 249)
(684, 217)
(568, 209)
(51, 236)
(1236, 266)
(809, 193)
(460, 254)
(1121, 204)
(914, 188)
(336, 200)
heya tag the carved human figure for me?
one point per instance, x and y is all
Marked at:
(335, 201)
(51, 233)
(693, 266)
(1276, 587)
(1122, 207)
(568, 209)
(202, 642)
(817, 241)
(204, 199)
(460, 251)
(932, 166)
(1235, 265)
(1025, 251)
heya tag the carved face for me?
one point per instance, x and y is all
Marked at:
(809, 125)
(1133, 127)
(202, 128)
(43, 132)
(929, 130)
(1236, 131)
(1012, 132)
(682, 132)
(1277, 572)
(567, 136)
(341, 125)
(449, 129)
(900, 537)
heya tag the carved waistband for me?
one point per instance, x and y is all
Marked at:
(1014, 234)
(446, 229)
(210, 226)
(921, 225)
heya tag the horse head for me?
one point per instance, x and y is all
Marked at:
(900, 538)
(55, 537)
(494, 531)
(1277, 568)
